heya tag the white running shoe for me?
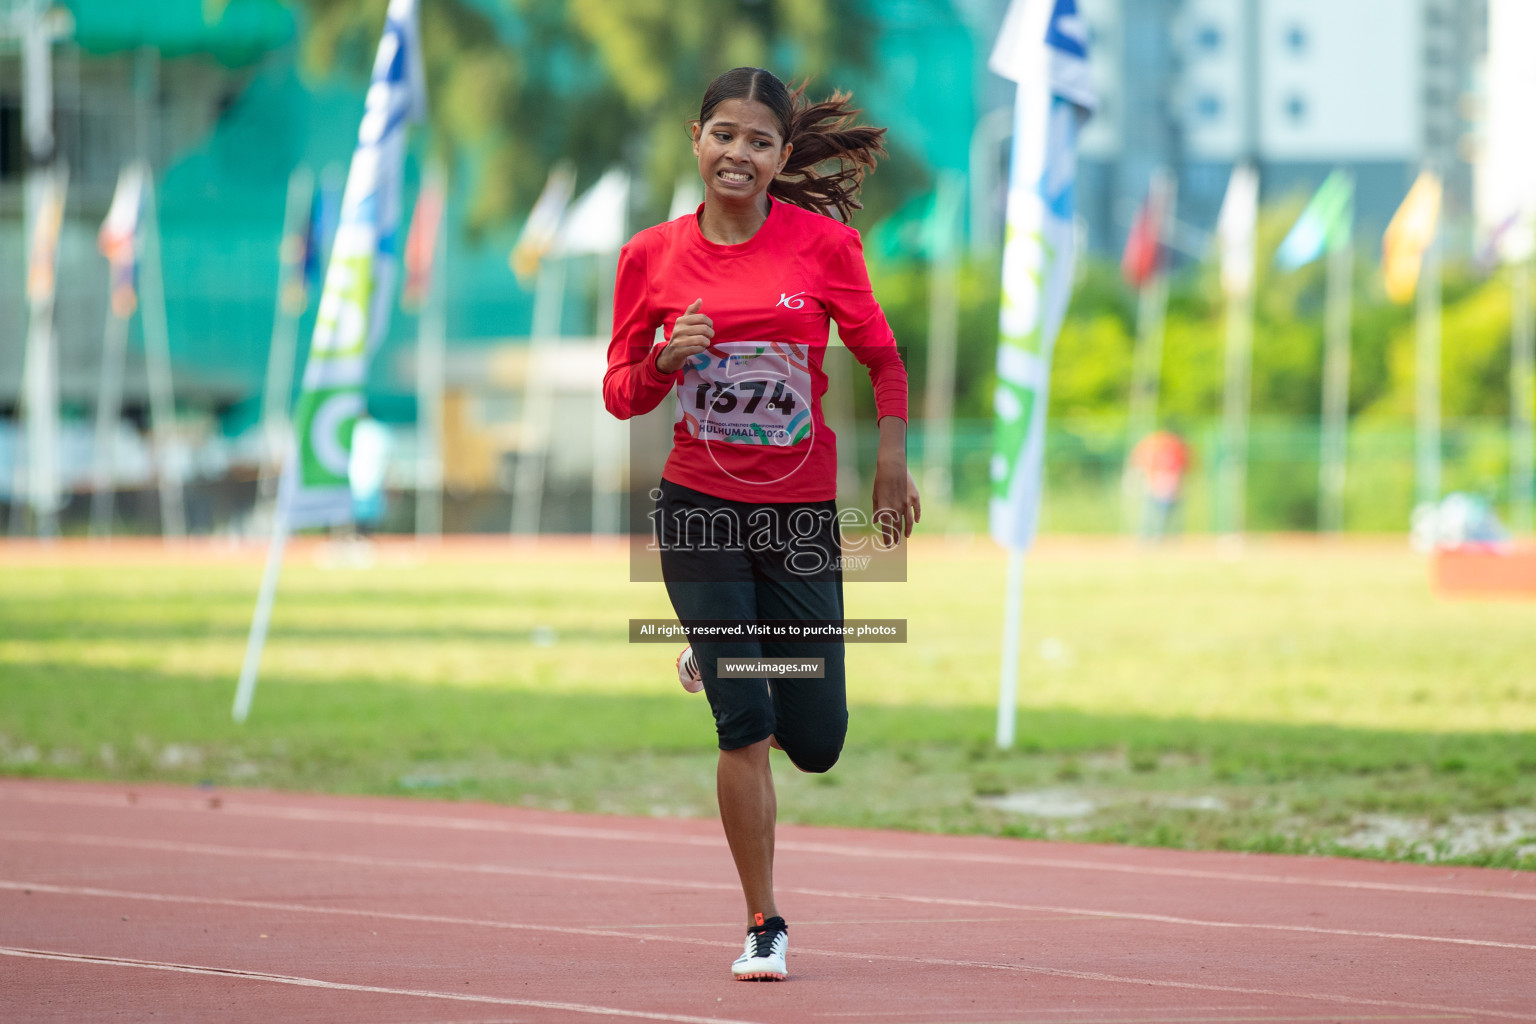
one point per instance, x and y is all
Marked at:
(767, 953)
(688, 671)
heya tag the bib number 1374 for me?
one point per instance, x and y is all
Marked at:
(722, 397)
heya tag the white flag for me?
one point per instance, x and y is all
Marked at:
(1235, 227)
(359, 281)
(687, 194)
(595, 223)
(1505, 173)
(1043, 47)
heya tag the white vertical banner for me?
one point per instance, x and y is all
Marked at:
(1506, 213)
(1236, 229)
(355, 303)
(1043, 47)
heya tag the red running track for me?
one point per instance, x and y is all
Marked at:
(183, 905)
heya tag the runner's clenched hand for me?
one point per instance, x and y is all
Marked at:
(896, 503)
(691, 334)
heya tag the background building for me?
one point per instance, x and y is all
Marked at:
(1300, 86)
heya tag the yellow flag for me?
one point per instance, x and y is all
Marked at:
(1410, 233)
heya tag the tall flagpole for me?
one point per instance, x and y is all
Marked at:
(1427, 377)
(47, 178)
(538, 397)
(46, 190)
(157, 361)
(277, 394)
(1335, 410)
(837, 405)
(1151, 316)
(1147, 357)
(1235, 231)
(1522, 395)
(943, 337)
(594, 225)
(607, 433)
(1237, 394)
(118, 240)
(256, 640)
(1008, 680)
(109, 408)
(1235, 405)
(431, 354)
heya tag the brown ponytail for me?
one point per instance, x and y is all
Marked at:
(820, 133)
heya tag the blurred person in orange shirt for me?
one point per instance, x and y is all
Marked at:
(1161, 459)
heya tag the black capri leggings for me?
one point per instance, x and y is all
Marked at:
(740, 561)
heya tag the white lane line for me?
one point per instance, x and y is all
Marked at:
(383, 915)
(338, 986)
(1181, 1019)
(609, 1011)
(1126, 915)
(620, 931)
(364, 860)
(839, 954)
(230, 805)
(1163, 1018)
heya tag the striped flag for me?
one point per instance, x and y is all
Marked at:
(1043, 47)
(359, 280)
(119, 238)
(543, 222)
(1410, 232)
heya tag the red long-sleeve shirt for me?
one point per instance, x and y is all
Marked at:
(748, 425)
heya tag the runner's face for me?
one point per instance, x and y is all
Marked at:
(740, 151)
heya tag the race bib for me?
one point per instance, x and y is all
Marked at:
(747, 392)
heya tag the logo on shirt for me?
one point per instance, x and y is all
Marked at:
(791, 301)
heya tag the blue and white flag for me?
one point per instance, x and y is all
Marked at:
(1043, 46)
(358, 293)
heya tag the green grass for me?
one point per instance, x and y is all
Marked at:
(1296, 698)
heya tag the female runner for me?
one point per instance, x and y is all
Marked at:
(747, 522)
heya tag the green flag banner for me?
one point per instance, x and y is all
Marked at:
(1322, 226)
(359, 283)
(1043, 48)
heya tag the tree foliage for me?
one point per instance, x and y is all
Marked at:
(515, 85)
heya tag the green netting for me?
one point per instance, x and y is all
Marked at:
(235, 32)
